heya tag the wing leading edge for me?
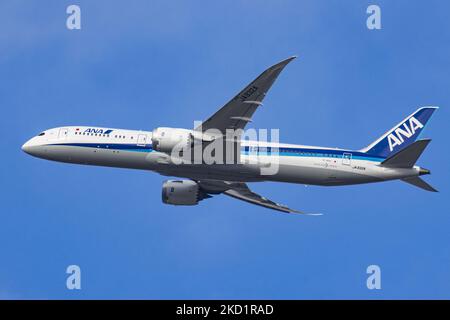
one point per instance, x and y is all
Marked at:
(239, 110)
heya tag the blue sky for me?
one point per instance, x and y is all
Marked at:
(144, 64)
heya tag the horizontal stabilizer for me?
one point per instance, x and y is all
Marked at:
(416, 181)
(407, 157)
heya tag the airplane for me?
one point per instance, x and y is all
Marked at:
(390, 157)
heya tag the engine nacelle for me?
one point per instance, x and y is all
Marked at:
(182, 192)
(165, 139)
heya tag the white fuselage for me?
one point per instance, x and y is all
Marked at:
(292, 163)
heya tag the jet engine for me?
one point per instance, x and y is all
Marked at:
(165, 139)
(182, 192)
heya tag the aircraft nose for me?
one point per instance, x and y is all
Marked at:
(26, 147)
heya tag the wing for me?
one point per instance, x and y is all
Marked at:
(241, 191)
(239, 110)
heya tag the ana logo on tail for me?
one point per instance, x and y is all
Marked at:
(408, 129)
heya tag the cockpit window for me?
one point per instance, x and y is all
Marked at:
(41, 134)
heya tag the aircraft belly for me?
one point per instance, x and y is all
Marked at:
(95, 156)
(319, 171)
(214, 172)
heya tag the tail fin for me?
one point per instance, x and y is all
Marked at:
(407, 157)
(402, 135)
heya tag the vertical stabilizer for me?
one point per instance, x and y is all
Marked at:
(402, 135)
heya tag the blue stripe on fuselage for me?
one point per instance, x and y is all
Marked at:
(281, 151)
(310, 152)
(109, 146)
